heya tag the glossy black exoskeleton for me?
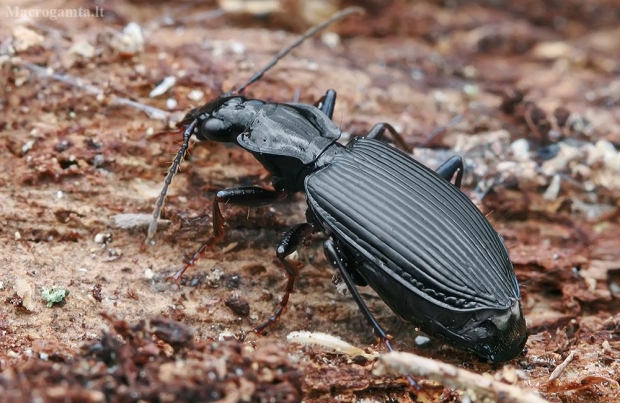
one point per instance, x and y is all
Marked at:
(393, 223)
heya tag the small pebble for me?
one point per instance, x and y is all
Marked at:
(237, 47)
(331, 39)
(98, 160)
(83, 49)
(131, 41)
(553, 190)
(342, 288)
(28, 146)
(226, 335)
(614, 287)
(26, 291)
(506, 166)
(140, 69)
(214, 277)
(24, 38)
(471, 90)
(520, 149)
(101, 237)
(195, 95)
(171, 103)
(421, 340)
(238, 305)
(565, 155)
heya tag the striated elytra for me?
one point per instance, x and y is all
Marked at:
(423, 246)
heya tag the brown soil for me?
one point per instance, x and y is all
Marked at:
(72, 160)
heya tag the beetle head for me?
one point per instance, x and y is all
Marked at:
(501, 336)
(221, 120)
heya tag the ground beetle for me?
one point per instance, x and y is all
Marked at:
(393, 223)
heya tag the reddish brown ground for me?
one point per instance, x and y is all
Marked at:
(69, 161)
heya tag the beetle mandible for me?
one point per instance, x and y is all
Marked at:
(392, 223)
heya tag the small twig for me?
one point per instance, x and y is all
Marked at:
(128, 220)
(326, 341)
(453, 377)
(202, 17)
(152, 112)
(560, 368)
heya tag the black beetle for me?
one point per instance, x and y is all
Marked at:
(393, 223)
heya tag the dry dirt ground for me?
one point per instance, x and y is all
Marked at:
(536, 83)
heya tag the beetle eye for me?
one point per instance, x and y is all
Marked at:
(214, 129)
(212, 125)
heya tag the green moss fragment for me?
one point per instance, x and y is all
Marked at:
(54, 295)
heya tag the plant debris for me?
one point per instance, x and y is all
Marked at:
(54, 296)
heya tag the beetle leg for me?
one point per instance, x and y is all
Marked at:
(250, 196)
(327, 103)
(289, 244)
(338, 260)
(450, 167)
(378, 132)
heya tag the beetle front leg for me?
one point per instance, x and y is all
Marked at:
(448, 168)
(249, 196)
(378, 133)
(289, 244)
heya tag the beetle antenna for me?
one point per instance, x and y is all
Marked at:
(309, 33)
(190, 128)
(173, 170)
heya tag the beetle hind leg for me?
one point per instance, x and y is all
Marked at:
(289, 244)
(338, 260)
(378, 133)
(450, 167)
